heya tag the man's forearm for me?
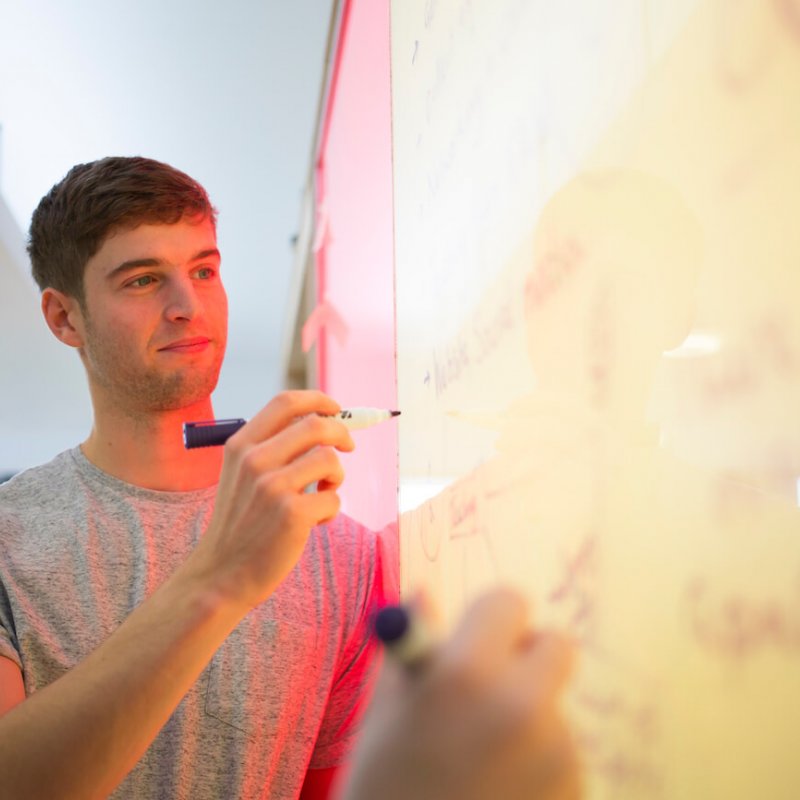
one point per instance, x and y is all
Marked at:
(82, 734)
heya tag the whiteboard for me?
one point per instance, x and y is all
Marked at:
(597, 250)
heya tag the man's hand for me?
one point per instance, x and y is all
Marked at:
(479, 720)
(263, 513)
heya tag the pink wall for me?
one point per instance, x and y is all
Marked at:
(355, 260)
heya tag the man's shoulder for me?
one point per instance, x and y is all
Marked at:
(337, 551)
(344, 534)
(37, 485)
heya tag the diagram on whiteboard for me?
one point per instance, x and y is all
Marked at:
(599, 360)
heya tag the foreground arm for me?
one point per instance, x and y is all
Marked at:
(479, 720)
(80, 736)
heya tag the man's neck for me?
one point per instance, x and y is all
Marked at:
(148, 451)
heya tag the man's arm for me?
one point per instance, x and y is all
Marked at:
(79, 736)
(12, 689)
(318, 784)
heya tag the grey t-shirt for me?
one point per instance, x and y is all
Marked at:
(79, 550)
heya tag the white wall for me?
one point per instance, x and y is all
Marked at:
(44, 403)
(225, 91)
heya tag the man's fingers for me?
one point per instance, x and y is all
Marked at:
(282, 411)
(318, 465)
(297, 439)
(547, 664)
(321, 506)
(493, 627)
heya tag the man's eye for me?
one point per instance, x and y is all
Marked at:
(141, 281)
(205, 273)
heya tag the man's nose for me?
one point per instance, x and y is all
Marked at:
(182, 301)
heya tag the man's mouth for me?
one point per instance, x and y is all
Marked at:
(194, 344)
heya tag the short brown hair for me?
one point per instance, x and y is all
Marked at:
(97, 199)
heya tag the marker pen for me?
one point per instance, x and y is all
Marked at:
(214, 432)
(404, 635)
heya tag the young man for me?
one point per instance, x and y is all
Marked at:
(201, 621)
(179, 624)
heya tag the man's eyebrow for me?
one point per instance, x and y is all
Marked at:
(207, 254)
(136, 263)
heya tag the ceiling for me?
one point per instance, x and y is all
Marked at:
(227, 92)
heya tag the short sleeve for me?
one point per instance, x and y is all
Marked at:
(8, 639)
(8, 642)
(7, 649)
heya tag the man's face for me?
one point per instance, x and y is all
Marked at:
(155, 316)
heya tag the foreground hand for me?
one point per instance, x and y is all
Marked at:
(480, 719)
(263, 513)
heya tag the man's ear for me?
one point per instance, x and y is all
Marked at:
(63, 316)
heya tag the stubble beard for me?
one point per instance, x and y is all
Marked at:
(140, 390)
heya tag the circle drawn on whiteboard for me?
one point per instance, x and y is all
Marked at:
(430, 538)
